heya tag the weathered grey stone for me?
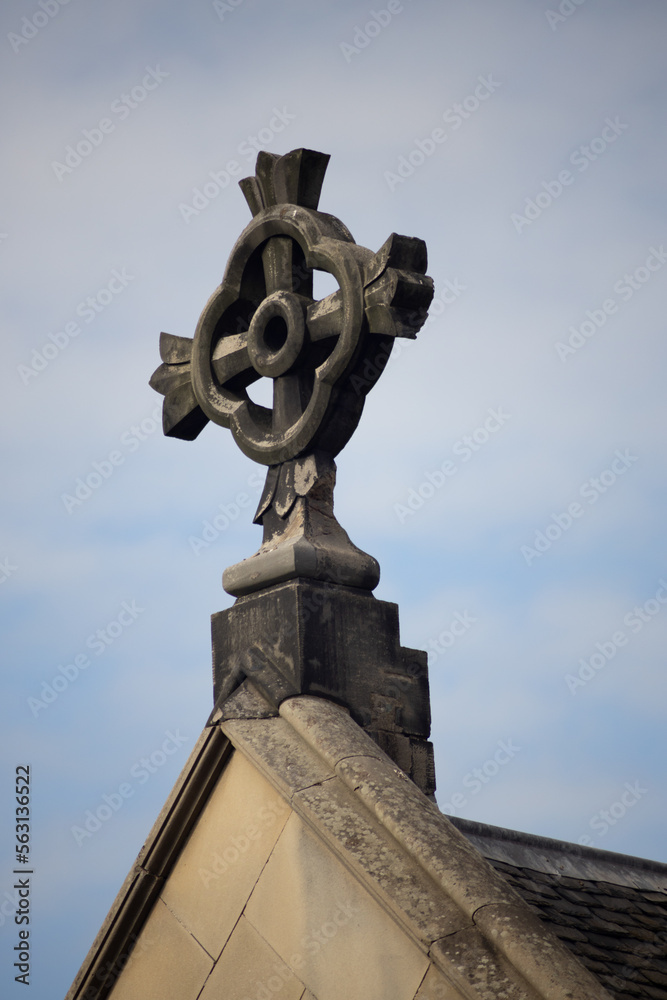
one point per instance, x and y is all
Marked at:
(302, 537)
(310, 637)
(547, 964)
(401, 885)
(478, 970)
(278, 753)
(412, 754)
(479, 891)
(305, 776)
(424, 831)
(247, 702)
(327, 728)
(322, 356)
(353, 852)
(305, 622)
(436, 986)
(304, 637)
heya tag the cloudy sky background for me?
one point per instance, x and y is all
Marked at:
(508, 291)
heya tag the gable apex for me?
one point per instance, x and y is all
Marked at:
(295, 857)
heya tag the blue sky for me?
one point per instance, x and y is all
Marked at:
(529, 413)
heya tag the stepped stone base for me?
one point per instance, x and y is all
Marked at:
(341, 643)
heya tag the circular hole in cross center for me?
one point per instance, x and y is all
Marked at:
(275, 334)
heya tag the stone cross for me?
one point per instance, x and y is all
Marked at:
(322, 355)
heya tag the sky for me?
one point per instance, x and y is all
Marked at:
(508, 471)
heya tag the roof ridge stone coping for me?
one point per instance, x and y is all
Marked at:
(444, 852)
(447, 897)
(561, 858)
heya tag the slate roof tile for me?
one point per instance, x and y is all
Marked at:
(649, 921)
(575, 897)
(595, 966)
(617, 916)
(586, 949)
(656, 994)
(569, 933)
(530, 897)
(600, 924)
(616, 903)
(572, 909)
(635, 936)
(623, 993)
(609, 909)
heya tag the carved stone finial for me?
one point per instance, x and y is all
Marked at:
(323, 357)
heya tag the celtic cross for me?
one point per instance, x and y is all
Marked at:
(322, 355)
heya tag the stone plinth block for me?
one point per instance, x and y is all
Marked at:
(341, 643)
